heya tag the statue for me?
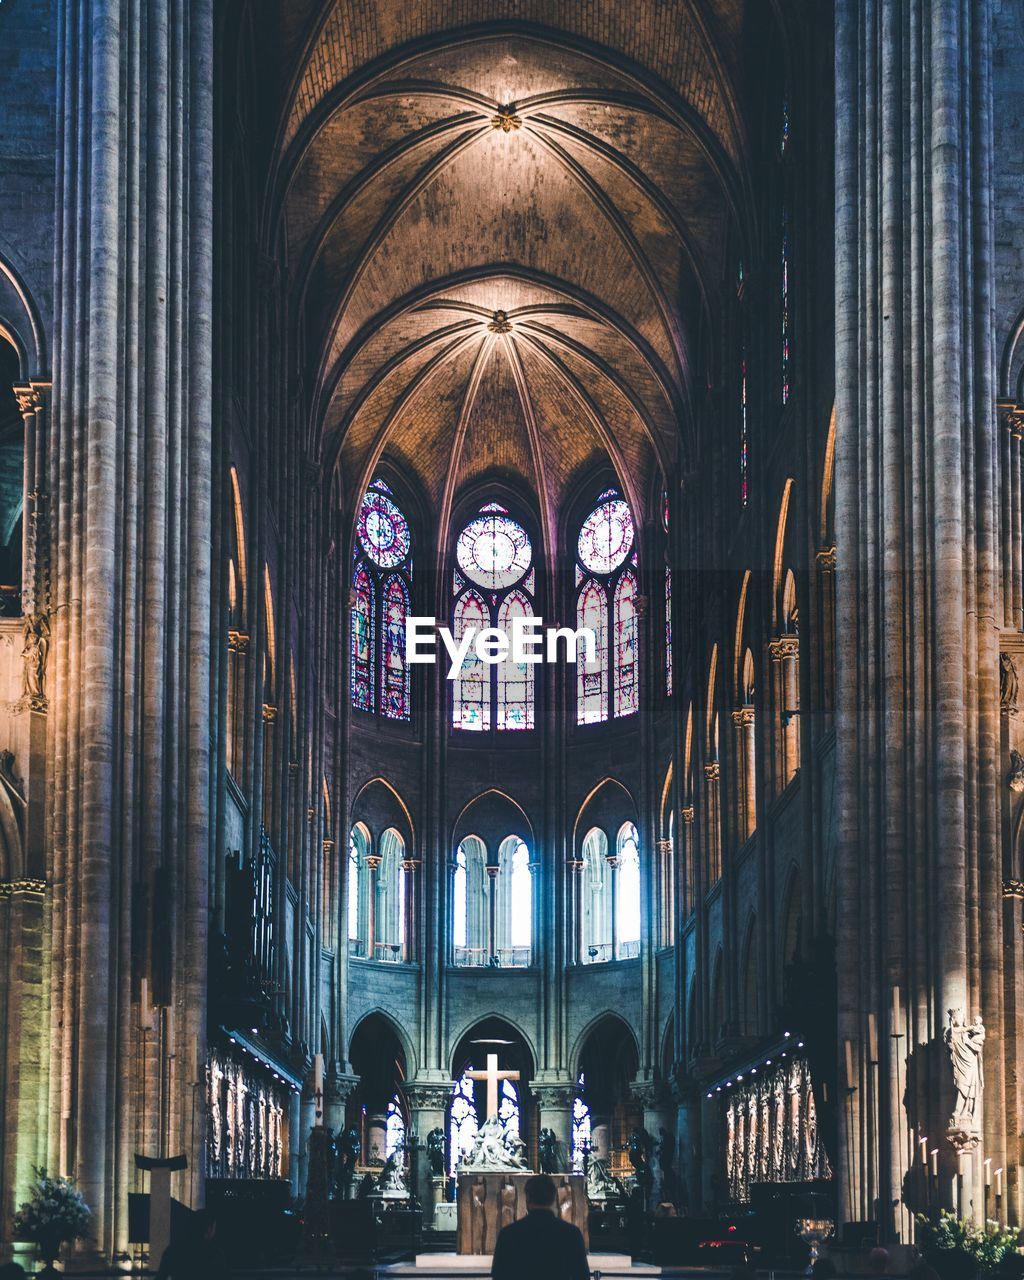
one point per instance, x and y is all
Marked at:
(1008, 683)
(391, 1180)
(640, 1143)
(601, 1185)
(435, 1152)
(34, 654)
(964, 1043)
(551, 1152)
(492, 1153)
(1015, 778)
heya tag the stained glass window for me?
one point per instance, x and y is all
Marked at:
(462, 1122)
(626, 666)
(460, 919)
(395, 675)
(515, 679)
(363, 639)
(606, 538)
(581, 1129)
(394, 1132)
(383, 530)
(668, 631)
(744, 434)
(494, 551)
(380, 603)
(471, 701)
(592, 676)
(508, 1111)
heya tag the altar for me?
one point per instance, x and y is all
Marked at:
(489, 1201)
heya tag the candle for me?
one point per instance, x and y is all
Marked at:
(999, 1182)
(872, 1038)
(145, 1011)
(935, 1162)
(923, 1144)
(896, 1011)
(988, 1172)
(848, 1045)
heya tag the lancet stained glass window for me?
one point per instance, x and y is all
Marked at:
(668, 631)
(581, 1129)
(492, 586)
(462, 1122)
(606, 604)
(380, 602)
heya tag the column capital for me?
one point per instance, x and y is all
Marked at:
(29, 888)
(786, 646)
(269, 713)
(743, 717)
(664, 847)
(554, 1095)
(686, 813)
(1010, 413)
(826, 559)
(712, 771)
(428, 1095)
(650, 1093)
(238, 642)
(31, 396)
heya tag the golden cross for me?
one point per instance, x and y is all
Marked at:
(493, 1077)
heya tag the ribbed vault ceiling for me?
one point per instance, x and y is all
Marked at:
(500, 250)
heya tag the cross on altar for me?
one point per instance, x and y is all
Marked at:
(493, 1077)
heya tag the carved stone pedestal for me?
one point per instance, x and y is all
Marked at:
(489, 1201)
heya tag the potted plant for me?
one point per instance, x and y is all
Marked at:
(959, 1250)
(54, 1215)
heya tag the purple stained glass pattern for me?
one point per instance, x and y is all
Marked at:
(625, 623)
(664, 510)
(668, 631)
(471, 688)
(395, 675)
(382, 530)
(494, 506)
(494, 551)
(592, 677)
(606, 538)
(363, 639)
(515, 679)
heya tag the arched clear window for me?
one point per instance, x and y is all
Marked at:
(606, 591)
(379, 604)
(358, 873)
(493, 584)
(394, 1132)
(462, 1122)
(596, 899)
(514, 905)
(390, 904)
(628, 895)
(471, 904)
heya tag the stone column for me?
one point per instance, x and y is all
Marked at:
(556, 1101)
(428, 1104)
(918, 583)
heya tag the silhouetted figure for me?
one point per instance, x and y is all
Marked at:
(540, 1246)
(197, 1256)
(12, 1271)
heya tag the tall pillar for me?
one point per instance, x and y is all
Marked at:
(918, 585)
(428, 1105)
(556, 1102)
(129, 477)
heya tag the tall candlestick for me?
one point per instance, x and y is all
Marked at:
(988, 1172)
(145, 1009)
(848, 1045)
(318, 1089)
(935, 1162)
(896, 1020)
(872, 1038)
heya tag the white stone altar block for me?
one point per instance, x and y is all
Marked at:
(614, 1264)
(446, 1216)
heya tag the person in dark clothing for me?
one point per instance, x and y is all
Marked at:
(540, 1246)
(198, 1256)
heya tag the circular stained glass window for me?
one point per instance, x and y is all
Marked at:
(606, 538)
(383, 530)
(494, 551)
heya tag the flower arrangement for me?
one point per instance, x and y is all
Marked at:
(54, 1214)
(956, 1248)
